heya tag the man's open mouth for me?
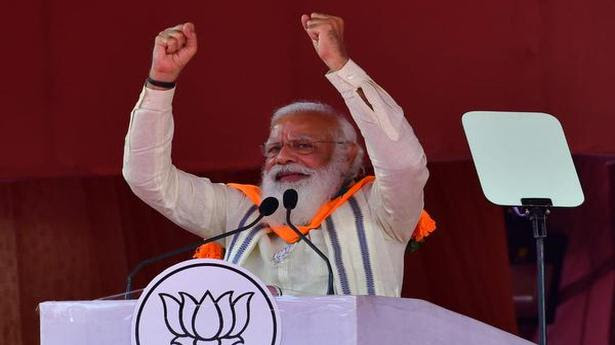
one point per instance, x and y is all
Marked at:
(290, 176)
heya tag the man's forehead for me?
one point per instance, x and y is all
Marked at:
(308, 124)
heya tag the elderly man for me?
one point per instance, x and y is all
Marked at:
(362, 226)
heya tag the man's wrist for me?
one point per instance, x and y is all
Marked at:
(350, 75)
(154, 84)
(337, 65)
(156, 99)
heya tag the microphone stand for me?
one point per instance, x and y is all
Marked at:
(155, 259)
(178, 251)
(267, 207)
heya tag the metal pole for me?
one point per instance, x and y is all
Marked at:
(538, 216)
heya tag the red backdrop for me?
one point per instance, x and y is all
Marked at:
(73, 70)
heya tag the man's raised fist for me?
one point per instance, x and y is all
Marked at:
(327, 35)
(173, 48)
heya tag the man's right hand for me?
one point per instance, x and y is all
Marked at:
(173, 48)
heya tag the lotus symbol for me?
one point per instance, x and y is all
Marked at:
(208, 321)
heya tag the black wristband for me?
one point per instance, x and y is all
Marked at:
(165, 84)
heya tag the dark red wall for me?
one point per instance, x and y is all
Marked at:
(72, 72)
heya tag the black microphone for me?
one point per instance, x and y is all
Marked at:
(289, 199)
(266, 208)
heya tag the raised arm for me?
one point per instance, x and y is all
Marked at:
(192, 202)
(395, 152)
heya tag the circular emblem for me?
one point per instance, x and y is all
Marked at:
(205, 302)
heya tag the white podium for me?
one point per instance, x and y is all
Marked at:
(323, 320)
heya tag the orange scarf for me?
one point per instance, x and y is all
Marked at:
(424, 227)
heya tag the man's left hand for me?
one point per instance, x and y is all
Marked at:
(327, 35)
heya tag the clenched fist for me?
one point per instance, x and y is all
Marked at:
(327, 34)
(173, 48)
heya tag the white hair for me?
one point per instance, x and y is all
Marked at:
(321, 186)
(344, 132)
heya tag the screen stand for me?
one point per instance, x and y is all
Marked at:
(537, 210)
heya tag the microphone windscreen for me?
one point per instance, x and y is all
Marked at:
(290, 198)
(268, 206)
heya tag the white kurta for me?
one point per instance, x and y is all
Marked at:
(365, 239)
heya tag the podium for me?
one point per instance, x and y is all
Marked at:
(322, 320)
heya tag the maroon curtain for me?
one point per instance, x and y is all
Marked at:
(74, 72)
(586, 306)
(464, 266)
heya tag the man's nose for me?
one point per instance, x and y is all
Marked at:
(286, 155)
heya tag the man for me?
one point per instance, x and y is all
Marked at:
(362, 226)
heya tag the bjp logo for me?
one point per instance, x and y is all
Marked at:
(208, 320)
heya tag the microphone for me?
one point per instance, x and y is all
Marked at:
(289, 199)
(266, 208)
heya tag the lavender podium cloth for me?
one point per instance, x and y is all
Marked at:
(339, 320)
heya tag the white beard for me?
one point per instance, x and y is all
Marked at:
(314, 191)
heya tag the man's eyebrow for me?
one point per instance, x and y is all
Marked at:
(299, 137)
(305, 137)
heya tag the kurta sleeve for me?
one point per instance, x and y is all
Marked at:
(192, 202)
(399, 162)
